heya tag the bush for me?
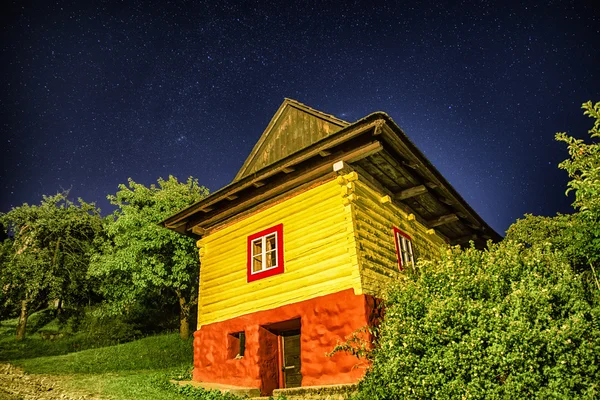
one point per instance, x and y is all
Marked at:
(109, 330)
(510, 322)
(520, 320)
(38, 319)
(70, 319)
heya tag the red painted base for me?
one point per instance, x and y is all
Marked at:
(324, 321)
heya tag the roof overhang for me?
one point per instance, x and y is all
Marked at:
(380, 152)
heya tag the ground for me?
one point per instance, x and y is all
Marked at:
(16, 385)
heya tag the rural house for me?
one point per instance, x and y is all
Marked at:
(296, 251)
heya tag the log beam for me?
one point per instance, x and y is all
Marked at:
(410, 192)
(445, 201)
(198, 230)
(444, 219)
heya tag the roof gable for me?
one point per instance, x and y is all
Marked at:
(294, 127)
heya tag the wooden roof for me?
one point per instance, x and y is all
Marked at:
(293, 127)
(374, 146)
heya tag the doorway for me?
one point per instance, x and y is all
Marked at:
(288, 352)
(291, 364)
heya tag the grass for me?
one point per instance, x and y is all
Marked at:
(154, 352)
(33, 345)
(140, 369)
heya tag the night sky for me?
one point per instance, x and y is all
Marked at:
(94, 92)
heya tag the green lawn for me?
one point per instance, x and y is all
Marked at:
(140, 369)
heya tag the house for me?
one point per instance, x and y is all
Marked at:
(296, 251)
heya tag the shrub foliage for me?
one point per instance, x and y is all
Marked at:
(518, 320)
(510, 322)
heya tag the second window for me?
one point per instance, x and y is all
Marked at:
(404, 249)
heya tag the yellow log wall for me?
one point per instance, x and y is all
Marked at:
(373, 223)
(320, 256)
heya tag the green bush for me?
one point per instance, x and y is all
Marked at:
(70, 319)
(519, 320)
(510, 322)
(40, 318)
(109, 330)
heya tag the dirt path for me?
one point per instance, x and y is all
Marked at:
(16, 385)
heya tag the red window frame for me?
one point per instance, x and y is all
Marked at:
(253, 276)
(399, 247)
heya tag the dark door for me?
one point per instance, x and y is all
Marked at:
(291, 358)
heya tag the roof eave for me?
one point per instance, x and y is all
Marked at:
(256, 179)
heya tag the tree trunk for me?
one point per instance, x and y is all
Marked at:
(184, 319)
(59, 308)
(22, 320)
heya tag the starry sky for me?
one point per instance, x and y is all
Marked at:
(95, 92)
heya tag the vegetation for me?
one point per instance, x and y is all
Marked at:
(48, 256)
(140, 261)
(140, 369)
(518, 320)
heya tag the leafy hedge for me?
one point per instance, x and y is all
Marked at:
(510, 322)
(519, 320)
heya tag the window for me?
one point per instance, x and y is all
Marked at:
(265, 253)
(236, 345)
(404, 249)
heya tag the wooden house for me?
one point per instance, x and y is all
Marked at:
(297, 249)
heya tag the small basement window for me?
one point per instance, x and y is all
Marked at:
(404, 249)
(265, 253)
(236, 345)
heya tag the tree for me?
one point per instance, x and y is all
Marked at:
(584, 165)
(138, 257)
(7, 290)
(49, 253)
(583, 168)
(518, 320)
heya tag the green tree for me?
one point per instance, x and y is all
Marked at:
(583, 168)
(7, 290)
(48, 256)
(139, 258)
(584, 165)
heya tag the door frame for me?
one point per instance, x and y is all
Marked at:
(280, 329)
